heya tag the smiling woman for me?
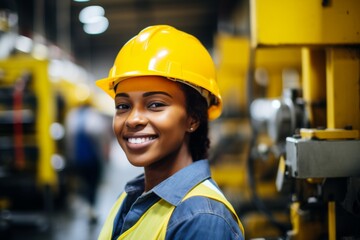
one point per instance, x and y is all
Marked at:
(165, 92)
(157, 113)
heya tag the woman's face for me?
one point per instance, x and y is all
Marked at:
(151, 122)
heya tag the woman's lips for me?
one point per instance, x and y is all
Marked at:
(139, 142)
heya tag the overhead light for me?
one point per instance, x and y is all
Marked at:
(87, 14)
(81, 0)
(97, 25)
(94, 20)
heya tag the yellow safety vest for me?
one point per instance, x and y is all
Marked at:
(153, 223)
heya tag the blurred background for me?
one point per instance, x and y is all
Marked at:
(285, 151)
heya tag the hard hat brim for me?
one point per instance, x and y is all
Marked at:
(107, 85)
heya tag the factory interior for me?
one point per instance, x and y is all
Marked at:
(285, 150)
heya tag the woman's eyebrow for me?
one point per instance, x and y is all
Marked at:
(122, 95)
(147, 94)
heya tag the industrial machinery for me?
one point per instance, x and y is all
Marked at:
(314, 125)
(27, 111)
(34, 100)
(244, 159)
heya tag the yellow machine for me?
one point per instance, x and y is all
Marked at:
(315, 124)
(32, 154)
(27, 112)
(286, 149)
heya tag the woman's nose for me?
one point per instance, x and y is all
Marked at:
(135, 119)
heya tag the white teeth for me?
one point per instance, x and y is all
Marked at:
(139, 140)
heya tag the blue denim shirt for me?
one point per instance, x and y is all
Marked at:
(195, 218)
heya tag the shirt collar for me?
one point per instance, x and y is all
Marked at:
(137, 185)
(174, 188)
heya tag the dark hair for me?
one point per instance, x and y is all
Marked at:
(196, 107)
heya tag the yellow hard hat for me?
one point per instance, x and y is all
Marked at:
(162, 50)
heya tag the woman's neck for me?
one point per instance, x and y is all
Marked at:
(163, 169)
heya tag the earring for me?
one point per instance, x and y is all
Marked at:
(191, 129)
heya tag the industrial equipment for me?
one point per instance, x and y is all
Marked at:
(34, 101)
(316, 125)
(28, 180)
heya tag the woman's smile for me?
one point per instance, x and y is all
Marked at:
(139, 142)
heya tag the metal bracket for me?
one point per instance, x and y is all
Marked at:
(307, 158)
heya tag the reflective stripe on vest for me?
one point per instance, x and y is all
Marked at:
(153, 223)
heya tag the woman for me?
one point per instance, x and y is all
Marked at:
(163, 84)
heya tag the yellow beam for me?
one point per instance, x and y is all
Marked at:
(329, 134)
(342, 87)
(232, 69)
(304, 22)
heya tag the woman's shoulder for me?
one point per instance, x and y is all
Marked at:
(202, 215)
(201, 205)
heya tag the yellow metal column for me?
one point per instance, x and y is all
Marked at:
(332, 221)
(343, 87)
(304, 228)
(45, 117)
(314, 84)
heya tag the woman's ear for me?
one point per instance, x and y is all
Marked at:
(193, 124)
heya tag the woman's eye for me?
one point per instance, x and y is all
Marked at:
(122, 106)
(156, 105)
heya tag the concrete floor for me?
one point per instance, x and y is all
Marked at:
(72, 222)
